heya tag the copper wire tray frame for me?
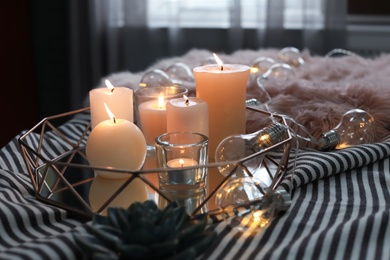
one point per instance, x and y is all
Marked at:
(49, 176)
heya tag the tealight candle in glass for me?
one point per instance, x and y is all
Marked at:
(183, 154)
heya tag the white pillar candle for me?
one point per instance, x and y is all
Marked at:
(188, 115)
(223, 87)
(118, 144)
(118, 99)
(153, 119)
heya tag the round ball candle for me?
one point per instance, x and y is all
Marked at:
(223, 87)
(118, 99)
(188, 115)
(118, 144)
(153, 119)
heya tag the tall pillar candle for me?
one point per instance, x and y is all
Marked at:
(224, 90)
(188, 115)
(118, 99)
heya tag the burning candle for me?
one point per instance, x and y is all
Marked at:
(188, 115)
(116, 143)
(176, 151)
(119, 100)
(153, 118)
(181, 162)
(223, 87)
(151, 109)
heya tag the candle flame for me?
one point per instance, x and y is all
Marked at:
(161, 102)
(186, 100)
(218, 60)
(109, 85)
(181, 161)
(110, 114)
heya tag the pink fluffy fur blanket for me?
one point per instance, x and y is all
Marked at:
(321, 91)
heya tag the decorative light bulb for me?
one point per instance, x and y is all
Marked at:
(291, 56)
(356, 127)
(251, 200)
(155, 78)
(279, 72)
(236, 147)
(179, 72)
(239, 191)
(261, 65)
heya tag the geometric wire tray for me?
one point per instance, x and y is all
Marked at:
(60, 175)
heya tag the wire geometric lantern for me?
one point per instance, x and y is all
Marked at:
(60, 175)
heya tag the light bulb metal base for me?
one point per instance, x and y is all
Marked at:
(329, 140)
(268, 136)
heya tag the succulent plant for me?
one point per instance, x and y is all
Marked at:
(143, 231)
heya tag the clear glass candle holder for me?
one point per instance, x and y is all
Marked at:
(150, 109)
(183, 153)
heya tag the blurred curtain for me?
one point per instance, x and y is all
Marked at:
(108, 36)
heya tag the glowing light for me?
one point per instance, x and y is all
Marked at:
(110, 114)
(218, 60)
(109, 85)
(161, 102)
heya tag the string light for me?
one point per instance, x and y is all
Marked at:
(237, 147)
(355, 127)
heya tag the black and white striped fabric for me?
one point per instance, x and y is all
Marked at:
(340, 210)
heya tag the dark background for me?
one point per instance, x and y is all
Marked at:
(35, 72)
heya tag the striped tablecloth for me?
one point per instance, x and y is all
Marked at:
(340, 210)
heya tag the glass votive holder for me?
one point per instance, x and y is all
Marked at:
(150, 109)
(183, 153)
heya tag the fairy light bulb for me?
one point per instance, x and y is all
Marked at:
(355, 127)
(252, 201)
(261, 65)
(236, 147)
(239, 191)
(292, 56)
(279, 72)
(155, 78)
(179, 72)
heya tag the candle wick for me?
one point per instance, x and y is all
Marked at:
(114, 119)
(182, 165)
(221, 67)
(112, 90)
(187, 102)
